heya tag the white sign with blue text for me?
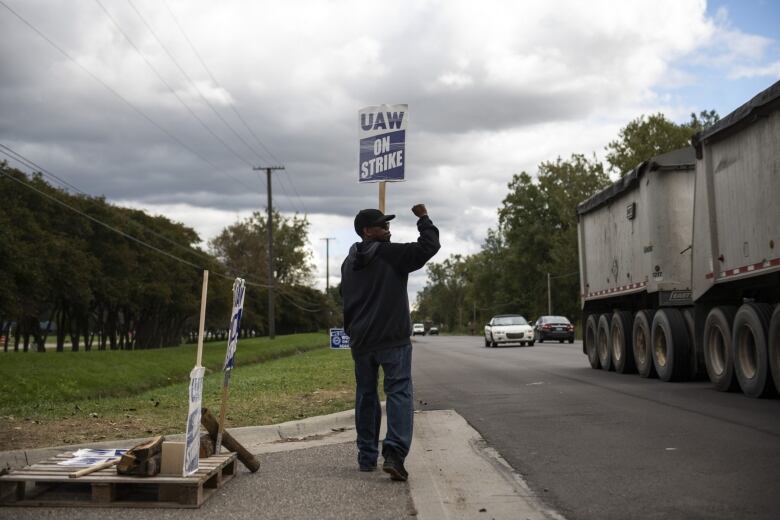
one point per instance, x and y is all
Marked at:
(338, 338)
(239, 290)
(382, 133)
(192, 432)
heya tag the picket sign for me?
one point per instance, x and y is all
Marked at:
(382, 145)
(239, 290)
(192, 435)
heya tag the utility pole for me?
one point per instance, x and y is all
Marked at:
(327, 262)
(549, 297)
(270, 223)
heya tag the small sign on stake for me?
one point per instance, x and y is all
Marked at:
(192, 437)
(239, 289)
(195, 395)
(339, 339)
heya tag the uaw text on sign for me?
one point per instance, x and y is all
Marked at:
(382, 131)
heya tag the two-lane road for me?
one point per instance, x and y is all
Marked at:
(599, 445)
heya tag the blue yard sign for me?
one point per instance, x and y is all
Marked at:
(382, 133)
(338, 338)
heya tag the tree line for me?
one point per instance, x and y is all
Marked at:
(75, 267)
(536, 235)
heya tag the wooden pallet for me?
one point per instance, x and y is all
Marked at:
(48, 484)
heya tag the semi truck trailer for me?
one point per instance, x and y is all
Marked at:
(680, 259)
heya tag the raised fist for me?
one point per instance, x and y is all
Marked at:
(419, 210)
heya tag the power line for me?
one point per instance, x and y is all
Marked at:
(173, 91)
(188, 78)
(208, 71)
(118, 95)
(109, 226)
(233, 107)
(283, 289)
(33, 166)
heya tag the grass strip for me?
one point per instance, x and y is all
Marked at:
(306, 384)
(32, 382)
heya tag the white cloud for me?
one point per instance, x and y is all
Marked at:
(493, 87)
(771, 70)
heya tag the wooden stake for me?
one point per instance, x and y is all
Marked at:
(203, 294)
(382, 196)
(222, 412)
(212, 426)
(93, 468)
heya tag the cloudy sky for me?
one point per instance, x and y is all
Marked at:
(167, 105)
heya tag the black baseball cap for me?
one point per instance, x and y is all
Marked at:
(370, 217)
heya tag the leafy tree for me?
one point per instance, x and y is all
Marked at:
(646, 137)
(242, 247)
(536, 235)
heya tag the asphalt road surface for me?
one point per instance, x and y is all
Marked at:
(597, 445)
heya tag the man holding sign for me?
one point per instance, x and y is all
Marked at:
(376, 318)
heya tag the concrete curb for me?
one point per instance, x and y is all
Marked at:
(246, 435)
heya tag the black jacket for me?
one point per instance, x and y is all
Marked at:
(373, 287)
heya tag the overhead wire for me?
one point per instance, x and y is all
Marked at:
(282, 289)
(120, 96)
(187, 76)
(31, 165)
(168, 85)
(36, 167)
(233, 107)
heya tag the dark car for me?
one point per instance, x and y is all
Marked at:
(554, 327)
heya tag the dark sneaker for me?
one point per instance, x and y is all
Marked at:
(395, 467)
(368, 468)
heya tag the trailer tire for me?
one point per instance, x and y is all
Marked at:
(621, 345)
(749, 341)
(697, 358)
(671, 347)
(774, 346)
(640, 336)
(717, 348)
(603, 342)
(591, 326)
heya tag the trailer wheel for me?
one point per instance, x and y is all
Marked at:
(590, 341)
(640, 334)
(670, 345)
(774, 346)
(749, 341)
(603, 341)
(717, 348)
(621, 344)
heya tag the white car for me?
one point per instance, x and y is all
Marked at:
(508, 328)
(418, 328)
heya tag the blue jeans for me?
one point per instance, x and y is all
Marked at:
(396, 364)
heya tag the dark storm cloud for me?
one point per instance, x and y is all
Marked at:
(492, 89)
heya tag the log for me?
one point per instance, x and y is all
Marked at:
(142, 460)
(212, 426)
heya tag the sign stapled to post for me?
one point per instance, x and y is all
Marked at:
(382, 133)
(192, 436)
(339, 339)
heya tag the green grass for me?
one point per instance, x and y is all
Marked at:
(312, 383)
(31, 382)
(53, 399)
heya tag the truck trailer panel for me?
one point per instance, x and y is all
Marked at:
(737, 206)
(633, 235)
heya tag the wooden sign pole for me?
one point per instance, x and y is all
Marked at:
(203, 294)
(382, 196)
(195, 395)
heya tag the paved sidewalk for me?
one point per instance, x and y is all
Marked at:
(308, 469)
